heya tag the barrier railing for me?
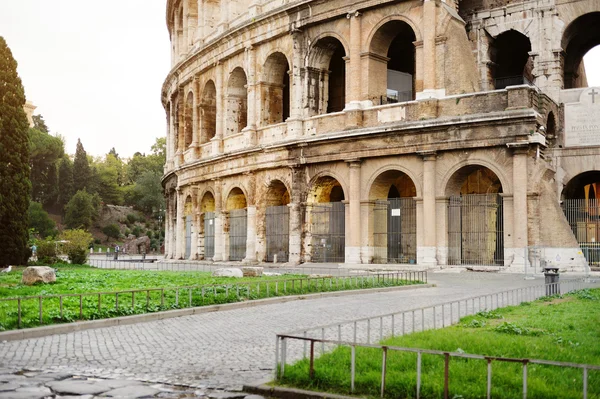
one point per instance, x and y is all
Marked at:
(297, 345)
(31, 311)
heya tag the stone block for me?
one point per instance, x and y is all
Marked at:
(228, 272)
(38, 274)
(252, 271)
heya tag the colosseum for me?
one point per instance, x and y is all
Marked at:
(419, 133)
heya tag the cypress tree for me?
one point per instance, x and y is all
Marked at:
(15, 186)
(81, 169)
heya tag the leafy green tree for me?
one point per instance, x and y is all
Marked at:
(46, 151)
(148, 192)
(40, 221)
(39, 124)
(81, 211)
(82, 173)
(111, 231)
(77, 244)
(15, 186)
(65, 182)
(46, 252)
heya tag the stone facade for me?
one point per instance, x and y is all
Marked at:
(428, 133)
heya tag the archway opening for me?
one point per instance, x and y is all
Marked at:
(475, 217)
(581, 205)
(511, 63)
(237, 102)
(189, 120)
(327, 77)
(275, 90)
(237, 225)
(188, 213)
(277, 222)
(394, 218)
(394, 42)
(326, 215)
(208, 113)
(207, 222)
(579, 38)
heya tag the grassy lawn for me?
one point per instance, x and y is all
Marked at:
(207, 290)
(563, 329)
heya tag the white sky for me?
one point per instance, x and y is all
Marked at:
(95, 68)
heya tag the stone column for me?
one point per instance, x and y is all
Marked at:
(217, 141)
(224, 21)
(195, 224)
(295, 233)
(167, 242)
(295, 125)
(354, 73)
(251, 235)
(353, 227)
(427, 253)
(180, 229)
(171, 137)
(195, 117)
(219, 239)
(429, 50)
(250, 129)
(520, 219)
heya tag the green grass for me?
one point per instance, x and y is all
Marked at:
(206, 290)
(563, 329)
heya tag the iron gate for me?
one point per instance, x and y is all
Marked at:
(209, 235)
(278, 233)
(584, 218)
(475, 230)
(188, 236)
(238, 232)
(328, 227)
(395, 231)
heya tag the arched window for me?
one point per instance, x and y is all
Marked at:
(208, 113)
(189, 120)
(511, 63)
(275, 90)
(327, 77)
(237, 102)
(581, 36)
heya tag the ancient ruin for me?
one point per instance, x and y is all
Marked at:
(426, 133)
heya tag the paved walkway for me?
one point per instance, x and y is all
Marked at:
(225, 349)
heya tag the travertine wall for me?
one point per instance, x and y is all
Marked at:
(249, 106)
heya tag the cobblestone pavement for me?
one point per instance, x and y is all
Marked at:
(229, 348)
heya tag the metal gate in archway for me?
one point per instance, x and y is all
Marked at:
(475, 230)
(583, 216)
(209, 235)
(395, 231)
(188, 236)
(328, 228)
(238, 232)
(278, 233)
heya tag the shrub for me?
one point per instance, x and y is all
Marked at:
(78, 242)
(136, 231)
(81, 211)
(131, 218)
(46, 252)
(111, 231)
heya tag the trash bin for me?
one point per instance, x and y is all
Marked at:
(552, 281)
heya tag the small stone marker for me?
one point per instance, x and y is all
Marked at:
(38, 274)
(228, 272)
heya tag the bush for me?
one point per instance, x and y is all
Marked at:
(46, 252)
(111, 231)
(81, 211)
(78, 242)
(136, 231)
(149, 233)
(131, 218)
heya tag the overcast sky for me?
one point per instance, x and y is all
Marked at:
(95, 68)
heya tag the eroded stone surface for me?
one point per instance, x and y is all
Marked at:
(132, 392)
(228, 272)
(78, 387)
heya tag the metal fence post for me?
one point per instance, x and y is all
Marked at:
(352, 367)
(419, 355)
(383, 369)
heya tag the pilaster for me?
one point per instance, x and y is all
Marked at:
(353, 225)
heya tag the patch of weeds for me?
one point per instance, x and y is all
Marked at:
(514, 329)
(550, 298)
(490, 314)
(475, 323)
(586, 294)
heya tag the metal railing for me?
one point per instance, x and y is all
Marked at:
(299, 344)
(504, 82)
(31, 311)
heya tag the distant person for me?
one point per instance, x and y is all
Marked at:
(34, 250)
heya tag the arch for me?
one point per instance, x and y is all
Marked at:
(579, 38)
(391, 18)
(236, 199)
(323, 186)
(275, 89)
(327, 76)
(511, 62)
(237, 102)
(394, 168)
(392, 183)
(208, 112)
(208, 203)
(189, 206)
(189, 120)
(585, 185)
(473, 179)
(277, 194)
(449, 181)
(392, 55)
(177, 111)
(275, 228)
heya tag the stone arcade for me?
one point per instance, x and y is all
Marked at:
(425, 133)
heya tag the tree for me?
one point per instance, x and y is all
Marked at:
(15, 186)
(111, 231)
(148, 192)
(40, 221)
(65, 182)
(77, 244)
(81, 211)
(45, 153)
(82, 173)
(39, 124)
